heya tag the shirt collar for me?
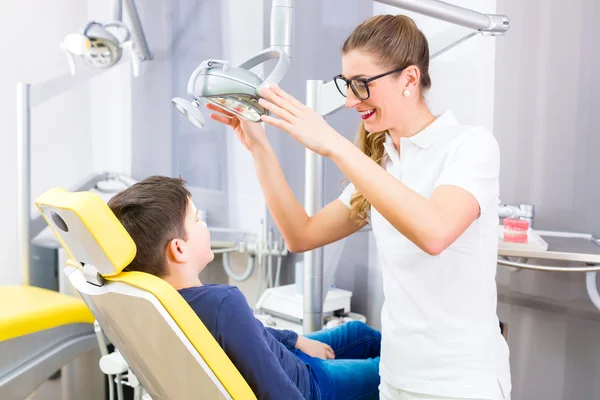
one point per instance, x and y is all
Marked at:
(429, 135)
(390, 149)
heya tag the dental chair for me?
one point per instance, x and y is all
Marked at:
(163, 341)
(40, 332)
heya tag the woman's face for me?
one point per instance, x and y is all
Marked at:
(385, 105)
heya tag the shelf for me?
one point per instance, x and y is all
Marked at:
(562, 246)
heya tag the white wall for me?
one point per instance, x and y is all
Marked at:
(150, 103)
(75, 134)
(110, 104)
(246, 202)
(61, 144)
(463, 77)
(110, 124)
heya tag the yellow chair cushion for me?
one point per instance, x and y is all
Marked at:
(29, 309)
(95, 236)
(193, 328)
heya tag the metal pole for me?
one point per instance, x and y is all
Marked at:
(117, 10)
(137, 28)
(453, 14)
(282, 25)
(23, 180)
(313, 201)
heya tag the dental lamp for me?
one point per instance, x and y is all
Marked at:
(98, 47)
(324, 98)
(235, 88)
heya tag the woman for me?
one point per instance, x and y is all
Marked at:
(429, 188)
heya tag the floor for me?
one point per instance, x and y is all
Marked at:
(50, 390)
(81, 380)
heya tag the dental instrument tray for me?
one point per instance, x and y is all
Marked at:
(572, 249)
(534, 242)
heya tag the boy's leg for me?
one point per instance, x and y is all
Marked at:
(352, 340)
(349, 379)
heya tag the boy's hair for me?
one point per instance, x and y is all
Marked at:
(153, 212)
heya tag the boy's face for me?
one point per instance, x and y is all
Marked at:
(198, 238)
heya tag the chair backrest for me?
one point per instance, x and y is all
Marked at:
(164, 342)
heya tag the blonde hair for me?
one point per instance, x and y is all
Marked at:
(397, 42)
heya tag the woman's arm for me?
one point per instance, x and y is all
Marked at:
(301, 232)
(432, 224)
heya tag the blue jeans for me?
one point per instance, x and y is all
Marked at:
(354, 374)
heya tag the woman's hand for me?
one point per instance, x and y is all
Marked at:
(314, 348)
(251, 134)
(301, 122)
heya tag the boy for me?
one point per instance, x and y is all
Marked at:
(174, 244)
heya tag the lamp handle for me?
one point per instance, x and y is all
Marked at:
(280, 69)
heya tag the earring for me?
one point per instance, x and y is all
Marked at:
(406, 93)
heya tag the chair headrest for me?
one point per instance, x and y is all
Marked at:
(88, 230)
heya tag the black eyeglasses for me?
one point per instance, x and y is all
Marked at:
(359, 86)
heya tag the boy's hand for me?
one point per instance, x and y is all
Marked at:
(314, 348)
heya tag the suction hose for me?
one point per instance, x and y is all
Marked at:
(592, 288)
(245, 275)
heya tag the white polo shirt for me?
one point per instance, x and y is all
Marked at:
(440, 329)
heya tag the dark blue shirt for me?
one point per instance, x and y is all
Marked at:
(263, 355)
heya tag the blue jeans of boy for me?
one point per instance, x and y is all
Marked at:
(354, 374)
